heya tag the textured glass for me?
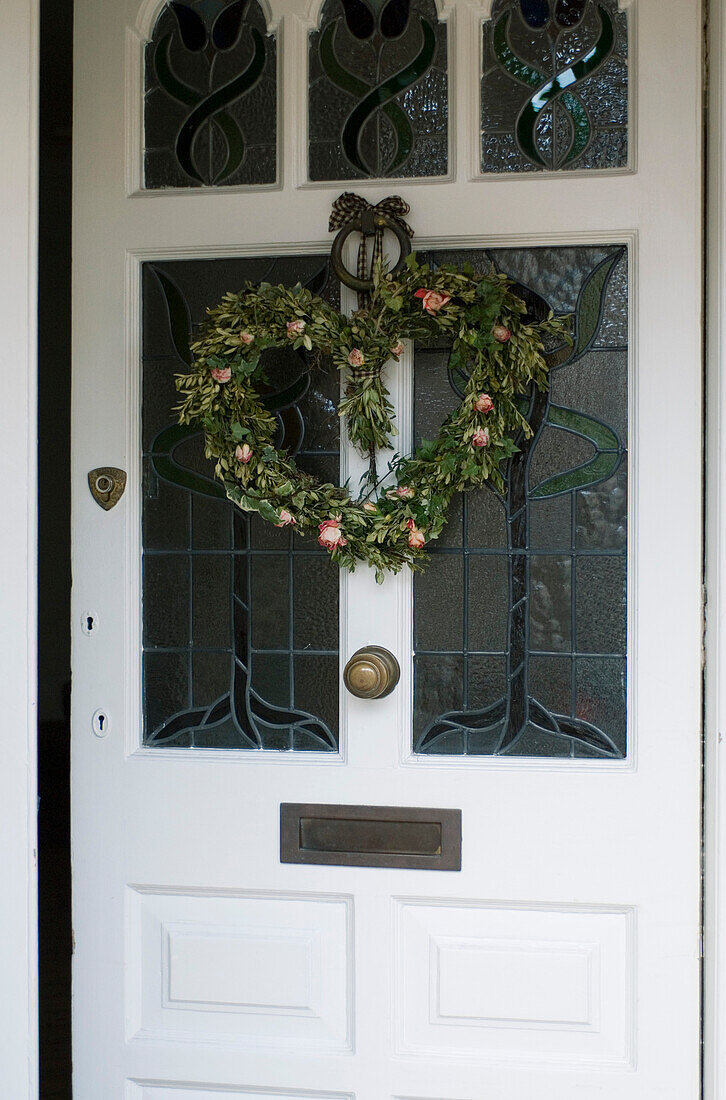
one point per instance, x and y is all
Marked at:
(520, 617)
(240, 618)
(210, 104)
(378, 92)
(554, 89)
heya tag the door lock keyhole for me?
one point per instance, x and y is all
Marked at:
(101, 723)
(89, 622)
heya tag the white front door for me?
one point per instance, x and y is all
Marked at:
(550, 675)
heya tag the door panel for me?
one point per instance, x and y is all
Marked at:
(561, 961)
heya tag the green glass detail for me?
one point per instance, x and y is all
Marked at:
(599, 434)
(509, 60)
(562, 87)
(162, 458)
(179, 321)
(211, 105)
(382, 95)
(167, 77)
(217, 138)
(590, 304)
(340, 76)
(601, 466)
(378, 101)
(539, 668)
(350, 83)
(559, 86)
(590, 473)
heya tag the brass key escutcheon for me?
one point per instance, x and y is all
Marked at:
(107, 484)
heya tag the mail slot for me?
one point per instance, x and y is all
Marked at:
(370, 836)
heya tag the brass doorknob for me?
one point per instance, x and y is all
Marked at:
(371, 673)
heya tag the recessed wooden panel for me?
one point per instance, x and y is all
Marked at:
(254, 972)
(149, 1090)
(371, 836)
(260, 971)
(484, 981)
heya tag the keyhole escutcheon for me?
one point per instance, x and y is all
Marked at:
(101, 723)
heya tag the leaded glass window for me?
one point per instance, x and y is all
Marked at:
(240, 619)
(554, 90)
(378, 91)
(210, 106)
(520, 617)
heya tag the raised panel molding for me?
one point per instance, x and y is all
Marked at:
(483, 981)
(274, 970)
(183, 1090)
(517, 983)
(262, 971)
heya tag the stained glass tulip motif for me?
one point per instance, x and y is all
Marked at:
(383, 66)
(553, 51)
(209, 100)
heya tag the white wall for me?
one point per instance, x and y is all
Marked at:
(18, 908)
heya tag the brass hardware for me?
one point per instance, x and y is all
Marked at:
(371, 673)
(367, 224)
(370, 836)
(107, 484)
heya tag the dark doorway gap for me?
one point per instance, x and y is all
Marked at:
(54, 355)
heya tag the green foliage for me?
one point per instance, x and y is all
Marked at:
(387, 528)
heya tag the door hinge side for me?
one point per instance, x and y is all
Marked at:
(704, 625)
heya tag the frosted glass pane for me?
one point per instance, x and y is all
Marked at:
(378, 91)
(554, 89)
(540, 607)
(210, 97)
(240, 618)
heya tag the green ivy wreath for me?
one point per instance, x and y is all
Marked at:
(387, 527)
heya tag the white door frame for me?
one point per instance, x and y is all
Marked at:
(715, 637)
(18, 308)
(18, 214)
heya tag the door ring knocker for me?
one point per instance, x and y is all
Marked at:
(371, 222)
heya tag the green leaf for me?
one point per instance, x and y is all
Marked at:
(591, 302)
(268, 512)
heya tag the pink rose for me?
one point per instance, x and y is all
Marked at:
(480, 438)
(397, 349)
(295, 328)
(405, 492)
(330, 534)
(416, 537)
(369, 506)
(432, 300)
(501, 333)
(286, 519)
(246, 338)
(221, 374)
(356, 358)
(243, 453)
(483, 403)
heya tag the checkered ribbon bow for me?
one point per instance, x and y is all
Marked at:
(350, 207)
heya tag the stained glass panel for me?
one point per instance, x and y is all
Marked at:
(520, 618)
(554, 90)
(378, 91)
(240, 619)
(210, 106)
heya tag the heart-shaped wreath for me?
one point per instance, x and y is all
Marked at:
(389, 524)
